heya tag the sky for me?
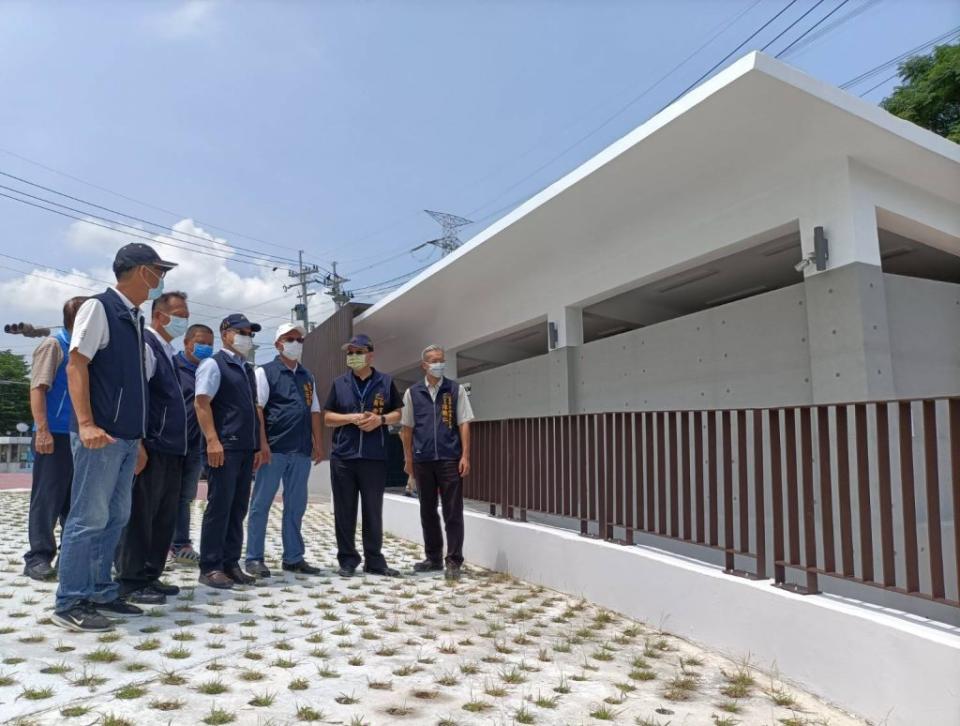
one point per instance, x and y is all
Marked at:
(246, 131)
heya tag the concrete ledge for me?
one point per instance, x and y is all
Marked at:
(896, 670)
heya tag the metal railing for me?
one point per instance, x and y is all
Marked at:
(865, 492)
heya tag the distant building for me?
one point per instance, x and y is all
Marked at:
(15, 454)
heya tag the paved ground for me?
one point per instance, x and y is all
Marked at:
(487, 650)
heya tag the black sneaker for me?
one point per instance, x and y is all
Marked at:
(428, 566)
(383, 572)
(347, 571)
(163, 588)
(118, 607)
(256, 568)
(302, 567)
(82, 618)
(147, 596)
(41, 571)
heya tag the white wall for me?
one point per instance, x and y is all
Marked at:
(892, 670)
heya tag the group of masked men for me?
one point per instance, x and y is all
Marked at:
(125, 425)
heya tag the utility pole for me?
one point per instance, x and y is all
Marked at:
(334, 283)
(304, 277)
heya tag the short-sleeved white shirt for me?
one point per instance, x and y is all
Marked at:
(91, 331)
(464, 409)
(263, 391)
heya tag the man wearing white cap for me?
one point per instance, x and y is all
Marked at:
(289, 411)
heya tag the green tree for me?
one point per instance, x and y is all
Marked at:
(930, 93)
(14, 392)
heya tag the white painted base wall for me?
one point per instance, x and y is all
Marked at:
(900, 671)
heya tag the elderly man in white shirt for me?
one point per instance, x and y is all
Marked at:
(436, 419)
(290, 420)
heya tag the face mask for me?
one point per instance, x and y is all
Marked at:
(177, 327)
(437, 369)
(243, 344)
(292, 350)
(154, 292)
(201, 351)
(356, 361)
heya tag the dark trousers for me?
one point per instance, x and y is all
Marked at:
(142, 553)
(49, 499)
(192, 468)
(441, 479)
(228, 496)
(365, 478)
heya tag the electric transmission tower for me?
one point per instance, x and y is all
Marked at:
(450, 223)
(334, 284)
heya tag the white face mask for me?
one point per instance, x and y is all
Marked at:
(292, 350)
(437, 369)
(243, 344)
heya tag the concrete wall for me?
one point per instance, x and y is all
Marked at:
(924, 319)
(851, 334)
(830, 647)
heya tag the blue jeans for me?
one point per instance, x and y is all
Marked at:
(99, 510)
(192, 468)
(294, 470)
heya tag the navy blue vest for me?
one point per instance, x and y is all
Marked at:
(234, 406)
(287, 412)
(436, 434)
(59, 407)
(349, 442)
(118, 385)
(188, 384)
(167, 414)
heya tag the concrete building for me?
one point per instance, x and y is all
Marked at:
(670, 288)
(661, 272)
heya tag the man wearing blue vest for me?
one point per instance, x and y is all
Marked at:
(436, 451)
(226, 405)
(362, 402)
(142, 554)
(107, 381)
(290, 416)
(53, 460)
(197, 346)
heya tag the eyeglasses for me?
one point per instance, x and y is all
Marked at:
(291, 340)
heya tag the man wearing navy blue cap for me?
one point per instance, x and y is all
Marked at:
(225, 399)
(107, 381)
(361, 404)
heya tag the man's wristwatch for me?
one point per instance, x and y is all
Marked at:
(383, 420)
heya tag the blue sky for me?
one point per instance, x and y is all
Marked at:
(329, 126)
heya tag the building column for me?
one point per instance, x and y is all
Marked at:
(848, 334)
(562, 358)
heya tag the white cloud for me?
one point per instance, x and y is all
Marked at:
(190, 18)
(215, 286)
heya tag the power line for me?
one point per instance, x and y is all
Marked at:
(141, 202)
(794, 23)
(876, 70)
(874, 88)
(242, 259)
(619, 111)
(206, 241)
(731, 53)
(821, 21)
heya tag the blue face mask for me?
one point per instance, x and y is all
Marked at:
(201, 351)
(154, 292)
(177, 327)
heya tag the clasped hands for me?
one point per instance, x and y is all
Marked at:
(366, 421)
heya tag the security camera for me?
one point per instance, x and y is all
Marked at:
(804, 263)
